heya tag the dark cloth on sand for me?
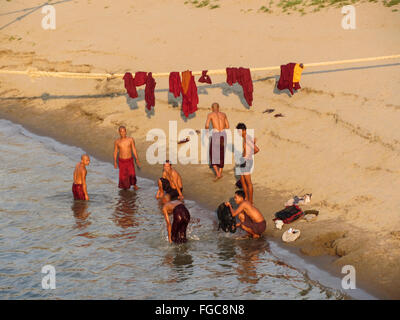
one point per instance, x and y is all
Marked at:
(217, 148)
(257, 227)
(166, 185)
(77, 191)
(180, 223)
(127, 175)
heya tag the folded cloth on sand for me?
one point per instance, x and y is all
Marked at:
(286, 78)
(140, 78)
(77, 191)
(278, 224)
(257, 227)
(205, 78)
(180, 223)
(149, 91)
(127, 175)
(175, 85)
(290, 235)
(217, 148)
(130, 86)
(166, 185)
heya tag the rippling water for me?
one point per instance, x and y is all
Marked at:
(115, 246)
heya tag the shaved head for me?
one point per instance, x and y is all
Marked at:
(85, 159)
(215, 106)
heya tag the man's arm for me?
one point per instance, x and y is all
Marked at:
(176, 182)
(208, 122)
(238, 210)
(115, 154)
(135, 152)
(83, 177)
(226, 122)
(166, 217)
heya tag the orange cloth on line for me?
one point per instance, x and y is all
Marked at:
(297, 73)
(186, 77)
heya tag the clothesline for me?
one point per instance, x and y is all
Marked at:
(34, 73)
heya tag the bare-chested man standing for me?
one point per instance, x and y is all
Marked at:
(170, 182)
(125, 146)
(79, 188)
(219, 123)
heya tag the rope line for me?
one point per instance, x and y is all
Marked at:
(34, 73)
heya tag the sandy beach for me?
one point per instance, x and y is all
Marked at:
(338, 139)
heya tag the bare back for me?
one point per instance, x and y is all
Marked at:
(174, 178)
(79, 174)
(253, 213)
(218, 119)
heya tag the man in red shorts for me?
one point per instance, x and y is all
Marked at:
(79, 189)
(123, 148)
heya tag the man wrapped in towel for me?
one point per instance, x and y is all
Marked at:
(79, 189)
(170, 182)
(251, 219)
(181, 216)
(219, 122)
(124, 147)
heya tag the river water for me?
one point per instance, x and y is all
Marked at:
(115, 246)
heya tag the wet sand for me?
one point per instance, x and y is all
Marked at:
(338, 139)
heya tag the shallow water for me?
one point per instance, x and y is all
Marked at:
(115, 246)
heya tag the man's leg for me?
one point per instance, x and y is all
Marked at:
(244, 186)
(247, 229)
(249, 185)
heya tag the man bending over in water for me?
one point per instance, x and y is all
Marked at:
(251, 219)
(176, 233)
(125, 146)
(170, 182)
(79, 189)
(219, 123)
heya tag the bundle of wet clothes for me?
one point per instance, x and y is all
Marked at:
(225, 220)
(290, 76)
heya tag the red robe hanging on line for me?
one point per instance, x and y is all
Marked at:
(130, 85)
(149, 91)
(175, 85)
(190, 98)
(243, 77)
(286, 78)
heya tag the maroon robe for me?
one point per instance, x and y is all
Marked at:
(286, 78)
(175, 84)
(190, 99)
(127, 175)
(149, 91)
(130, 85)
(205, 78)
(77, 191)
